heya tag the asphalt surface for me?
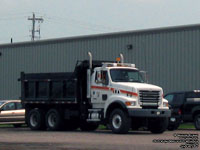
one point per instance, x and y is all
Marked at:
(25, 139)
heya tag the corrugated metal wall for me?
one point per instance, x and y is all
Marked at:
(172, 58)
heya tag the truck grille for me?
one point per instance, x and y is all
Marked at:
(149, 98)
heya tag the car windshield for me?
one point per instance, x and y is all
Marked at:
(126, 75)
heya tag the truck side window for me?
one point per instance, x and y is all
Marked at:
(97, 77)
(193, 95)
(179, 98)
(169, 98)
(101, 77)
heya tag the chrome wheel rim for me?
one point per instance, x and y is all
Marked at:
(117, 121)
(33, 120)
(52, 120)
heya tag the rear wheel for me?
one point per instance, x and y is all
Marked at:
(119, 122)
(36, 119)
(53, 120)
(173, 123)
(197, 121)
(158, 125)
(173, 127)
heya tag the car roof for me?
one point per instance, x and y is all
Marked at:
(6, 101)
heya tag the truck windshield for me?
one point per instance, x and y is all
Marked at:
(126, 75)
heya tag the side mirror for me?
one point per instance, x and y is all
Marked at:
(105, 81)
(99, 79)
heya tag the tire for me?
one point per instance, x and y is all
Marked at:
(158, 125)
(88, 126)
(54, 120)
(173, 127)
(197, 122)
(119, 122)
(36, 119)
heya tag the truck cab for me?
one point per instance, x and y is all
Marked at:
(116, 87)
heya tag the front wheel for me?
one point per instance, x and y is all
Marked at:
(158, 125)
(119, 122)
(197, 121)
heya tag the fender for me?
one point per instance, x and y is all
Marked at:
(113, 105)
(196, 108)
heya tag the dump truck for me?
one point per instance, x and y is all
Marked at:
(96, 92)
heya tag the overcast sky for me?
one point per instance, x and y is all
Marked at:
(66, 18)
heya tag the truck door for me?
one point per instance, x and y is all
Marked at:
(192, 99)
(100, 89)
(178, 104)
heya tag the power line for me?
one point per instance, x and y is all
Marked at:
(34, 20)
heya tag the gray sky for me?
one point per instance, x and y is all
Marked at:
(65, 18)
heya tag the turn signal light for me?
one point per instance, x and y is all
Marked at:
(130, 103)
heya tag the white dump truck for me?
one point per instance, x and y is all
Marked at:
(97, 92)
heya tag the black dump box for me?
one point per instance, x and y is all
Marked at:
(48, 87)
(67, 87)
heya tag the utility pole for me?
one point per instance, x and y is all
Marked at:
(34, 19)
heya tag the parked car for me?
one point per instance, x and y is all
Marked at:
(12, 112)
(185, 107)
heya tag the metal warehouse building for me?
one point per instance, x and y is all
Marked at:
(171, 56)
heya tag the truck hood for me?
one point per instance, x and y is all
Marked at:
(135, 87)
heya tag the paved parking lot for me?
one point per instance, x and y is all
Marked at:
(25, 139)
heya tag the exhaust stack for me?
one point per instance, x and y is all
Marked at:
(121, 58)
(90, 60)
(89, 76)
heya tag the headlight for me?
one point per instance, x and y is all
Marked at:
(130, 103)
(165, 104)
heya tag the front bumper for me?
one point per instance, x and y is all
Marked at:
(149, 112)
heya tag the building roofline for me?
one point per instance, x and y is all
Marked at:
(103, 35)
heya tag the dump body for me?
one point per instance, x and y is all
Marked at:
(48, 87)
